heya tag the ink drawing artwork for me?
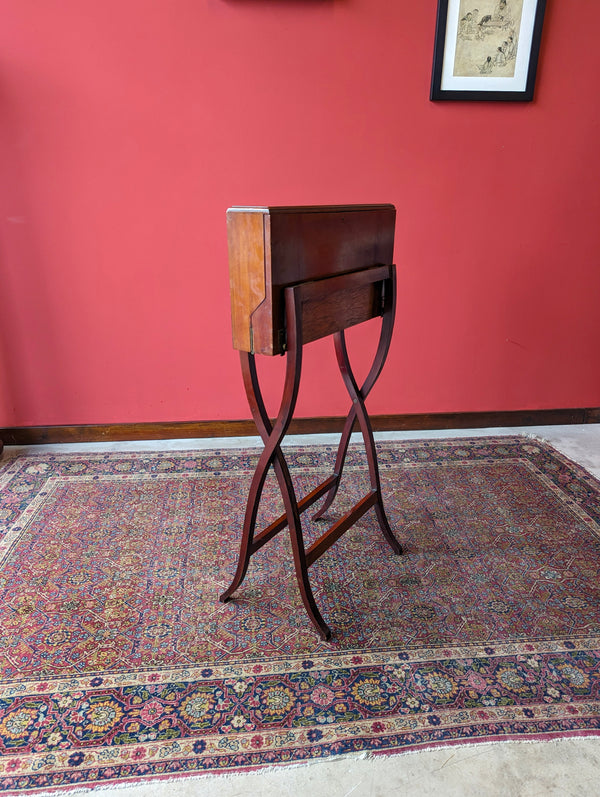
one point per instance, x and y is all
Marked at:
(486, 49)
(487, 38)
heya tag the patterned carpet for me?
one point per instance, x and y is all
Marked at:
(118, 663)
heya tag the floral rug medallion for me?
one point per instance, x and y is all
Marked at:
(118, 663)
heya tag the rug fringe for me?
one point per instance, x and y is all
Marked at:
(154, 787)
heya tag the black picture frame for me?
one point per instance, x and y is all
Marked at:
(476, 51)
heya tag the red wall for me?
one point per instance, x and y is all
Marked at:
(127, 128)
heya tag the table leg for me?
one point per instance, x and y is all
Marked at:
(358, 396)
(367, 433)
(272, 435)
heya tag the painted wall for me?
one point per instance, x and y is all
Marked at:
(127, 128)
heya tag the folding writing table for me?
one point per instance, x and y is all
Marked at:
(298, 274)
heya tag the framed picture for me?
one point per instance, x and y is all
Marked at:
(486, 49)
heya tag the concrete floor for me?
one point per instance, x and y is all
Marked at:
(507, 769)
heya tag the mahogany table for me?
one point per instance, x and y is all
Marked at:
(298, 274)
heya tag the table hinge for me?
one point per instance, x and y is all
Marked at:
(382, 307)
(282, 340)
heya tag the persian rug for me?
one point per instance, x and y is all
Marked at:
(118, 663)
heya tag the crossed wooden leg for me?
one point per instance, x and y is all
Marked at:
(273, 434)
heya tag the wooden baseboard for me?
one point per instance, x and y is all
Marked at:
(93, 433)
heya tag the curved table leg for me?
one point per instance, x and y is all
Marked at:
(367, 433)
(272, 436)
(358, 397)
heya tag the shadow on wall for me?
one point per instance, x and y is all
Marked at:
(27, 316)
